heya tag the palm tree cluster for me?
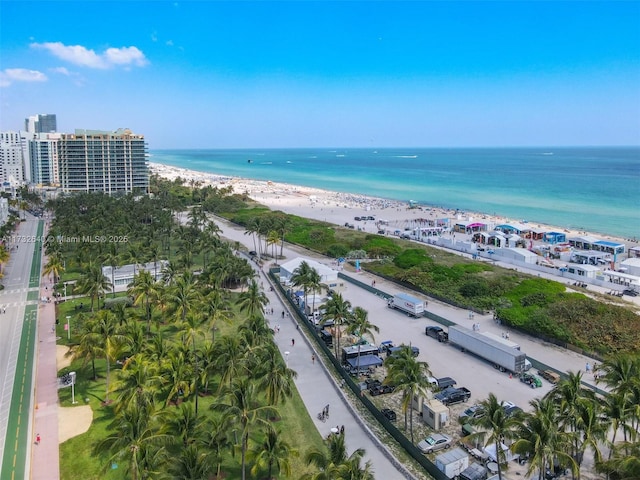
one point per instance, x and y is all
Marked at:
(157, 379)
(333, 463)
(158, 428)
(572, 421)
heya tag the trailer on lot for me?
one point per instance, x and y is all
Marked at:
(501, 356)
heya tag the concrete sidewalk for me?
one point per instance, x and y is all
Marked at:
(45, 457)
(318, 389)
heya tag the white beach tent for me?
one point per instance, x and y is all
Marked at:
(328, 276)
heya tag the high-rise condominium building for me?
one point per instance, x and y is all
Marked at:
(42, 123)
(43, 158)
(99, 161)
(11, 159)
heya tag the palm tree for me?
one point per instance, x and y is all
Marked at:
(137, 384)
(138, 439)
(351, 468)
(571, 397)
(272, 453)
(54, 266)
(191, 463)
(330, 461)
(625, 462)
(103, 330)
(216, 307)
(300, 278)
(243, 408)
(88, 348)
(231, 358)
(410, 377)
(541, 438)
(176, 374)
(253, 301)
(184, 295)
(216, 440)
(191, 328)
(361, 327)
(255, 332)
(338, 310)
(93, 282)
(272, 240)
(142, 289)
(496, 426)
(273, 376)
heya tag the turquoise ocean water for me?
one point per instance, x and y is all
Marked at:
(596, 189)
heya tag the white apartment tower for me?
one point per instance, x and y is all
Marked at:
(100, 161)
(12, 150)
(43, 158)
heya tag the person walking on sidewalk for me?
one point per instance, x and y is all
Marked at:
(313, 358)
(38, 439)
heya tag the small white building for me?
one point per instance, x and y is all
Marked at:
(630, 266)
(516, 254)
(122, 276)
(328, 276)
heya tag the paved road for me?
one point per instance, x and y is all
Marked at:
(18, 302)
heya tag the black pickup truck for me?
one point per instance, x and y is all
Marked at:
(452, 395)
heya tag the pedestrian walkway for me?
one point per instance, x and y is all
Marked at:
(318, 389)
(45, 458)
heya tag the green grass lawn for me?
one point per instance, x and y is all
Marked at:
(78, 460)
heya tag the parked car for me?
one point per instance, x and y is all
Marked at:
(452, 395)
(474, 411)
(253, 253)
(381, 389)
(630, 292)
(435, 442)
(390, 414)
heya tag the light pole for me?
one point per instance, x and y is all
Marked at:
(68, 327)
(286, 359)
(65, 291)
(73, 387)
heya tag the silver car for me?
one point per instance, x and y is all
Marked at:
(434, 442)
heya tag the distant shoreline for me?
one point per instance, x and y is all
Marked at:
(340, 208)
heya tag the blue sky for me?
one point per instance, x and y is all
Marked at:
(199, 74)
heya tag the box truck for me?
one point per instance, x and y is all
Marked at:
(453, 462)
(406, 303)
(504, 358)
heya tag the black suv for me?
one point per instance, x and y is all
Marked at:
(436, 332)
(390, 414)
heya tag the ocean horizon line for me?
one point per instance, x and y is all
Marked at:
(486, 147)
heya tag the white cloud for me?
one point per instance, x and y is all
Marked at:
(12, 75)
(170, 43)
(126, 56)
(61, 70)
(154, 36)
(79, 55)
(75, 77)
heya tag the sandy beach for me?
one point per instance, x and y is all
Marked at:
(340, 208)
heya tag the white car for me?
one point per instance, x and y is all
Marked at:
(436, 441)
